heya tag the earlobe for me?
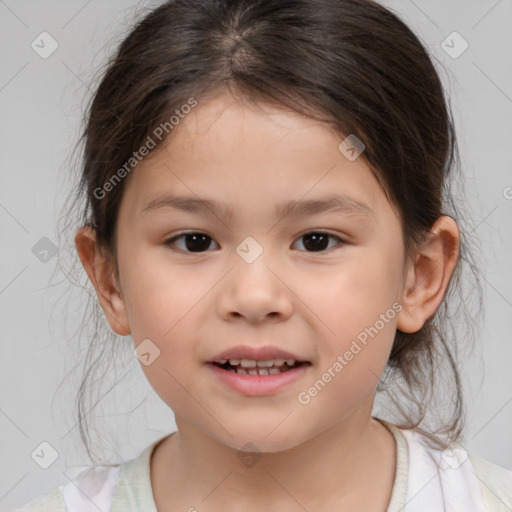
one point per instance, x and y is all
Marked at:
(429, 274)
(101, 274)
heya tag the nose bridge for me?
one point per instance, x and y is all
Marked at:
(253, 288)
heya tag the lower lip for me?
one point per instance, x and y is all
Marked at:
(258, 385)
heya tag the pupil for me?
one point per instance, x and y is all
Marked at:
(197, 241)
(319, 241)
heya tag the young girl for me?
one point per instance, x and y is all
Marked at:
(267, 194)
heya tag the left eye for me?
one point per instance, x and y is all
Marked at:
(315, 241)
(318, 241)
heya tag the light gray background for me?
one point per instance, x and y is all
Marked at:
(41, 102)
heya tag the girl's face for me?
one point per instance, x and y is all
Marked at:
(321, 281)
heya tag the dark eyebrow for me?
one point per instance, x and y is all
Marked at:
(189, 204)
(336, 203)
(343, 204)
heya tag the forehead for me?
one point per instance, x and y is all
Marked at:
(239, 154)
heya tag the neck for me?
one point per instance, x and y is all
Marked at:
(334, 467)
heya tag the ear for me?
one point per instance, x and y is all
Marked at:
(428, 274)
(101, 273)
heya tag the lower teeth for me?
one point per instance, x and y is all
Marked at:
(259, 371)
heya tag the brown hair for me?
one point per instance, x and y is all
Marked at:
(352, 64)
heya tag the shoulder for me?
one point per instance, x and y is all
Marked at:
(495, 483)
(95, 484)
(451, 476)
(109, 487)
(50, 502)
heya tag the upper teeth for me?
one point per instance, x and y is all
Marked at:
(251, 363)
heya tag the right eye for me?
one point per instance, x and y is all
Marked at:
(193, 241)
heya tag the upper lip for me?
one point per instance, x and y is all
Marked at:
(266, 353)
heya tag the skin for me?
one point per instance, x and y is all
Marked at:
(322, 455)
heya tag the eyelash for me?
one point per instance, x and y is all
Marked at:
(172, 240)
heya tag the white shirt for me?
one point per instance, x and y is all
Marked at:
(427, 479)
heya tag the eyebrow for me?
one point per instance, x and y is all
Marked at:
(335, 203)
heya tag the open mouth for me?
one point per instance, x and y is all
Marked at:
(251, 367)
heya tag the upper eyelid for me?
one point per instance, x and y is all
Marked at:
(321, 231)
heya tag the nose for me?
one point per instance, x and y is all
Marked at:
(256, 292)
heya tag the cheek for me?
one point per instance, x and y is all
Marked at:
(158, 294)
(168, 320)
(164, 304)
(352, 361)
(169, 382)
(349, 297)
(356, 309)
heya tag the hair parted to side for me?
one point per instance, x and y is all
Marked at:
(352, 64)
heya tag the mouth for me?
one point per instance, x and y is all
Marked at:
(262, 377)
(259, 368)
